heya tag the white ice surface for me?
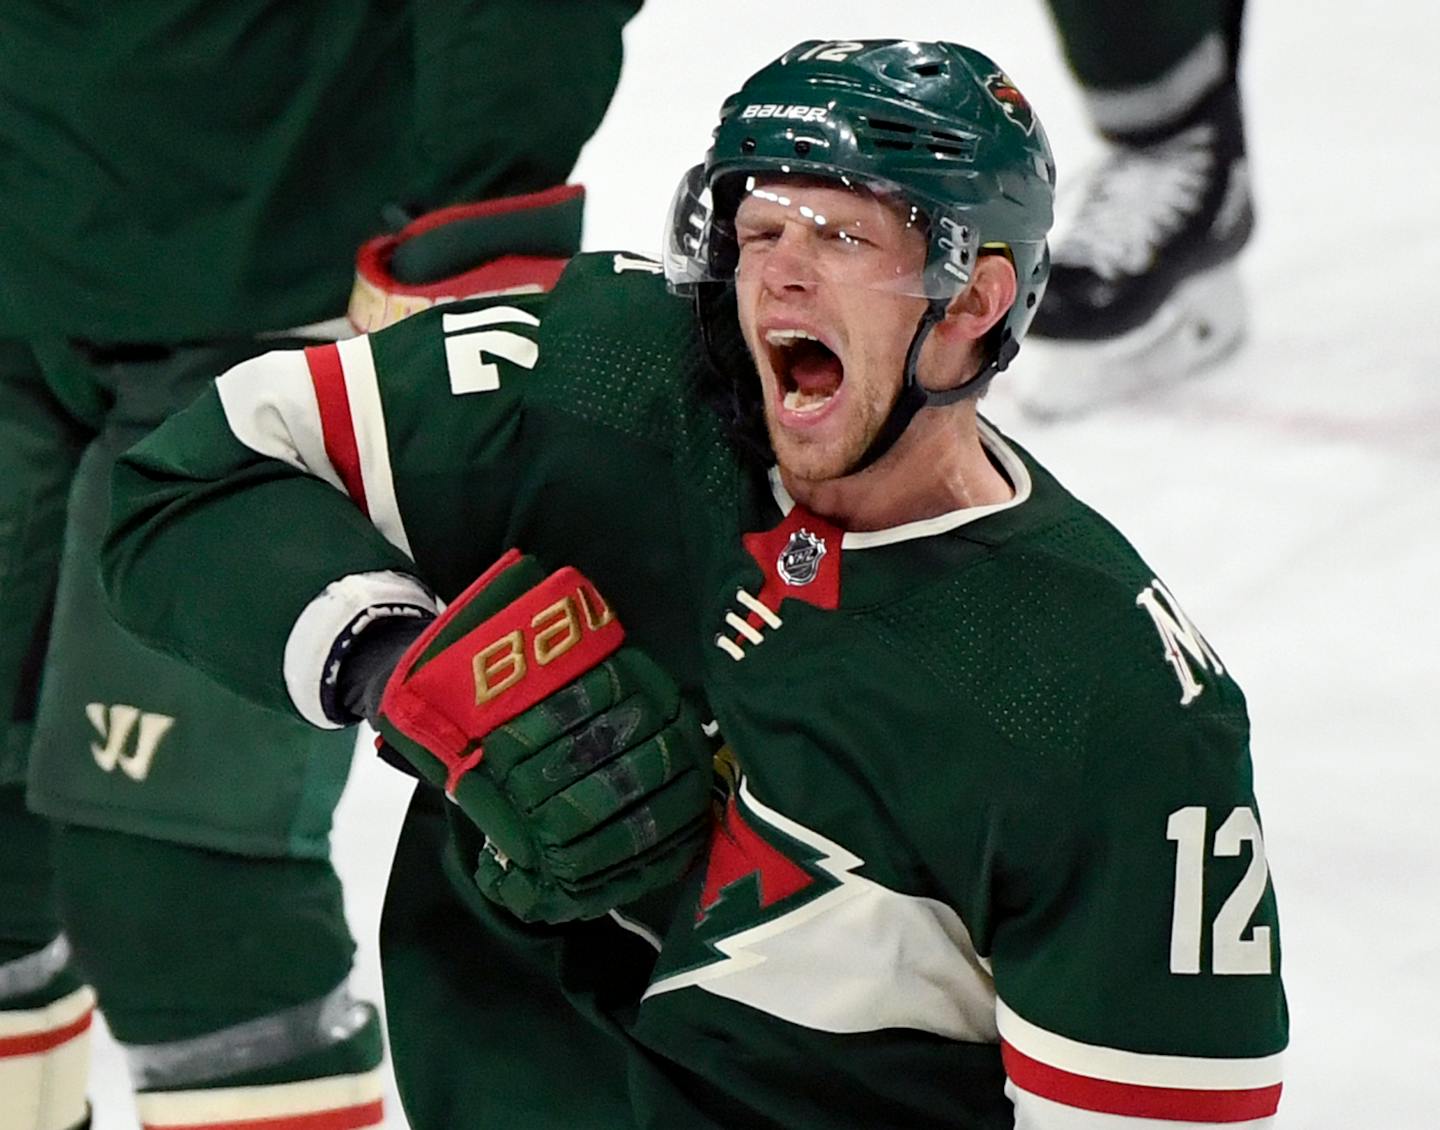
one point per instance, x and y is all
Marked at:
(1291, 499)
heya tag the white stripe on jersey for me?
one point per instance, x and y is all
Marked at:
(368, 421)
(858, 958)
(252, 1104)
(269, 403)
(1010, 463)
(324, 619)
(1034, 1113)
(1116, 1066)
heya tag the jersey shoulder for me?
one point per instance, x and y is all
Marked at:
(608, 344)
(1054, 633)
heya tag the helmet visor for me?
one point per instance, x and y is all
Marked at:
(809, 228)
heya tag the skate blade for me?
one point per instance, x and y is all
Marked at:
(1202, 322)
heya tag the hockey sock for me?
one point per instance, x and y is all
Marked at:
(224, 978)
(45, 1015)
(311, 1067)
(45, 1008)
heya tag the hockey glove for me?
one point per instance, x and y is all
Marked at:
(513, 245)
(575, 756)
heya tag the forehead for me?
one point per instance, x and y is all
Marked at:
(824, 200)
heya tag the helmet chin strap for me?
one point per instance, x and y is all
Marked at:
(913, 396)
(744, 417)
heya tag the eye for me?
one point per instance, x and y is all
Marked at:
(752, 236)
(850, 238)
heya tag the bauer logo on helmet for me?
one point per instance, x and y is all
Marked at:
(788, 113)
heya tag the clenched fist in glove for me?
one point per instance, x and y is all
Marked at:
(575, 756)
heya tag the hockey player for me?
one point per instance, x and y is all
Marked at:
(1144, 289)
(185, 185)
(988, 853)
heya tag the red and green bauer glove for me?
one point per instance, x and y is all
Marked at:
(574, 754)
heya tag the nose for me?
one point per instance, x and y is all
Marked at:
(789, 265)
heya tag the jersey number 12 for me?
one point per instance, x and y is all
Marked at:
(1231, 951)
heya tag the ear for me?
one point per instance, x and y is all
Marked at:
(984, 302)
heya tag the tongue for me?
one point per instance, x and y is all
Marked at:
(817, 372)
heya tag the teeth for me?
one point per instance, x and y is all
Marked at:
(797, 401)
(788, 337)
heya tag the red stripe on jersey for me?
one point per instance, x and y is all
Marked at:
(328, 377)
(345, 1118)
(33, 1043)
(1177, 1104)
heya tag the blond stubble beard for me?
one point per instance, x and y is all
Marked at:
(814, 462)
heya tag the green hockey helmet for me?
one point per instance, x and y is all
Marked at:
(934, 125)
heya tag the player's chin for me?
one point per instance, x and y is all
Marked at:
(810, 455)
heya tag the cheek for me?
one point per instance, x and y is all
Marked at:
(904, 316)
(887, 336)
(745, 305)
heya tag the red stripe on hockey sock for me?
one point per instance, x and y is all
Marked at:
(33, 1043)
(328, 376)
(346, 1118)
(1177, 1104)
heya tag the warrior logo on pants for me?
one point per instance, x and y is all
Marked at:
(115, 725)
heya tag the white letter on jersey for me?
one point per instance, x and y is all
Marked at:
(465, 352)
(1179, 637)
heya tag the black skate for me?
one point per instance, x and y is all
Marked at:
(1144, 288)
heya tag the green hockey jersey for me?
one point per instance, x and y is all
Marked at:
(990, 854)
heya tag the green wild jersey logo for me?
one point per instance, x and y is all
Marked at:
(755, 873)
(783, 915)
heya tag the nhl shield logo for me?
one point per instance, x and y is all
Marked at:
(799, 562)
(1015, 105)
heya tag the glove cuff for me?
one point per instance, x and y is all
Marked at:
(365, 665)
(493, 655)
(512, 245)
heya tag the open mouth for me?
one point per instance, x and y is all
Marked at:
(809, 371)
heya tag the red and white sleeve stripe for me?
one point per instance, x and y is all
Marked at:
(1061, 1084)
(319, 410)
(338, 1102)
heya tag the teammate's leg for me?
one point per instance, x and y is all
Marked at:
(40, 445)
(1144, 287)
(1115, 48)
(45, 1008)
(192, 861)
(224, 979)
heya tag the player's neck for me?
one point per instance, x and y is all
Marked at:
(937, 466)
